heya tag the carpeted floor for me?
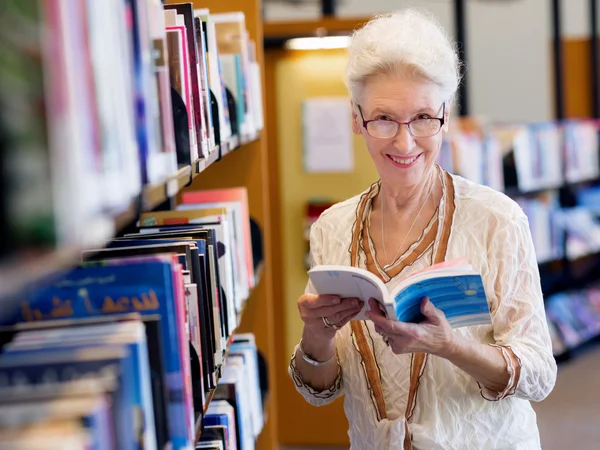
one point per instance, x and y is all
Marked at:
(570, 417)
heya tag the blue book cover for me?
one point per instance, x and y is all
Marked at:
(145, 287)
(461, 298)
(221, 419)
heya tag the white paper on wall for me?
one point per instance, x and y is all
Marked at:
(327, 135)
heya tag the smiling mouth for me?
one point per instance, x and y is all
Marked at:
(404, 161)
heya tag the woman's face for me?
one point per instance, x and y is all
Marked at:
(402, 161)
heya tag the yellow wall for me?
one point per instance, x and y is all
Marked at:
(300, 75)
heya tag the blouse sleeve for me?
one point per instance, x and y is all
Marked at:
(518, 314)
(312, 396)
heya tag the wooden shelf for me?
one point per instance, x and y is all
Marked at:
(202, 164)
(24, 269)
(17, 272)
(157, 194)
(284, 29)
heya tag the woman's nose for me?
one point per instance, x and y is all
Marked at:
(404, 142)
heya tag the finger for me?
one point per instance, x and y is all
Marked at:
(320, 301)
(395, 328)
(330, 311)
(385, 324)
(347, 317)
(376, 308)
(431, 313)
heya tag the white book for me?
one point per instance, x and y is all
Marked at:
(214, 77)
(245, 344)
(234, 373)
(452, 286)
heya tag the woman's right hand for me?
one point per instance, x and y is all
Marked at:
(337, 311)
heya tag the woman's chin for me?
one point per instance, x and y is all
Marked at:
(405, 177)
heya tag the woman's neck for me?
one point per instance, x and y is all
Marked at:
(402, 201)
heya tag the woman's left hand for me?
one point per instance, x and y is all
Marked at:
(434, 335)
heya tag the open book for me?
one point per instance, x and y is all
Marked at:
(452, 286)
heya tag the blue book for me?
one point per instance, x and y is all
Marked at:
(222, 413)
(144, 285)
(453, 287)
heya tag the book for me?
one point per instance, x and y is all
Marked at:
(146, 286)
(187, 11)
(180, 74)
(214, 77)
(130, 333)
(452, 286)
(222, 413)
(40, 373)
(91, 411)
(61, 435)
(244, 345)
(236, 198)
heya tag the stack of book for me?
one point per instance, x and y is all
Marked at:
(99, 100)
(574, 318)
(541, 155)
(159, 308)
(580, 152)
(582, 231)
(470, 153)
(236, 413)
(544, 214)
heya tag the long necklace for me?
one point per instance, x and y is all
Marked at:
(409, 230)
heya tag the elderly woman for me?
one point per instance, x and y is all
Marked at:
(425, 386)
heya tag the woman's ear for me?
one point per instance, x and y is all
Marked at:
(446, 126)
(356, 120)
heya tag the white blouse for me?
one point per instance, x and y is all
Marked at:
(452, 411)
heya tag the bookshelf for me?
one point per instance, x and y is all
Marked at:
(248, 166)
(240, 161)
(21, 270)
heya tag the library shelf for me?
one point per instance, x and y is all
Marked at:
(571, 353)
(19, 271)
(28, 267)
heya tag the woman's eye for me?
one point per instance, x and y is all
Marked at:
(383, 117)
(423, 116)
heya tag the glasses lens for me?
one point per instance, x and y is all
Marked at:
(382, 128)
(425, 127)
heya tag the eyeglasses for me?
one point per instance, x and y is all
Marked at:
(419, 128)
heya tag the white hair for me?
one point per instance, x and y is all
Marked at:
(408, 43)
